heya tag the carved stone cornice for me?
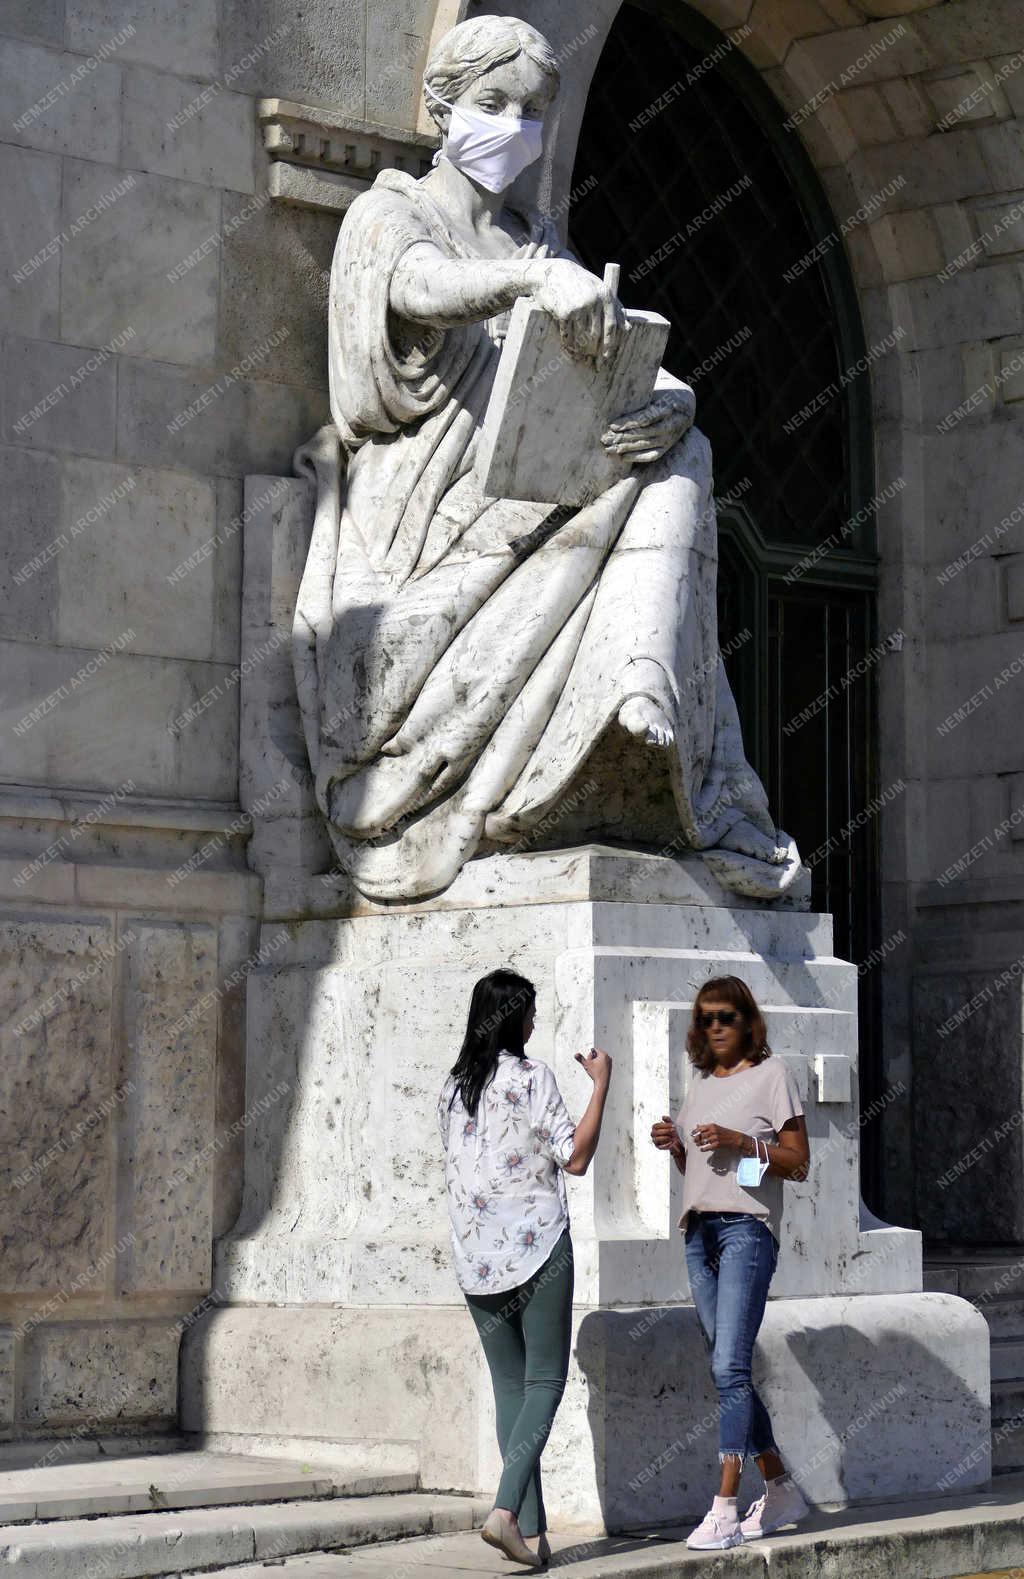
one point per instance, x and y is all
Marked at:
(320, 159)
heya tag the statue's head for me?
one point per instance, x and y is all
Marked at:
(494, 65)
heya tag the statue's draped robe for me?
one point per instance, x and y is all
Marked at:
(457, 657)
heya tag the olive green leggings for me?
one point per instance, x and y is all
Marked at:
(526, 1334)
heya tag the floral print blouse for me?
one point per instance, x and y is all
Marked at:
(503, 1173)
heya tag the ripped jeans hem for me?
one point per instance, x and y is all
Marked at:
(725, 1453)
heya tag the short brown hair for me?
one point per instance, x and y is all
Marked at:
(736, 993)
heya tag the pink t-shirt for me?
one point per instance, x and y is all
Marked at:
(756, 1101)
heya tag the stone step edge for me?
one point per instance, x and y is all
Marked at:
(99, 1504)
(196, 1540)
(960, 1547)
(911, 1554)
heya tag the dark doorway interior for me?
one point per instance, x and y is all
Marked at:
(688, 177)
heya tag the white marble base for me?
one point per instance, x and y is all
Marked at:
(871, 1398)
(361, 1017)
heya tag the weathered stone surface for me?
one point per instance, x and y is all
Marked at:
(908, 106)
(876, 52)
(907, 244)
(978, 305)
(275, 785)
(776, 23)
(244, 424)
(869, 116)
(227, 572)
(942, 170)
(165, 1160)
(1013, 571)
(55, 987)
(58, 397)
(174, 126)
(245, 1371)
(972, 30)
(30, 544)
(268, 258)
(971, 484)
(963, 98)
(236, 944)
(397, 36)
(970, 1177)
(115, 720)
(634, 1441)
(315, 55)
(29, 242)
(965, 598)
(116, 569)
(59, 103)
(975, 682)
(101, 1375)
(1002, 148)
(165, 33)
(7, 1383)
(39, 20)
(131, 247)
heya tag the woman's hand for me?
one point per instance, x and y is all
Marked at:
(597, 1064)
(599, 1067)
(643, 436)
(665, 1135)
(590, 318)
(709, 1137)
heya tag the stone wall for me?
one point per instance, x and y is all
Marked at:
(164, 334)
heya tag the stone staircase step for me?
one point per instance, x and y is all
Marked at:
(148, 1483)
(1007, 1359)
(358, 1467)
(985, 1274)
(165, 1545)
(980, 1532)
(42, 1452)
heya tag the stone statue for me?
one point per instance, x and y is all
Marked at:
(457, 657)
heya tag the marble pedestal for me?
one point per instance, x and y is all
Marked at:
(337, 1321)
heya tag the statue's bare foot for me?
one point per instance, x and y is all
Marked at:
(646, 719)
(748, 840)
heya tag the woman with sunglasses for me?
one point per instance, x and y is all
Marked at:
(739, 1133)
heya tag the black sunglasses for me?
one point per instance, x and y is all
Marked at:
(723, 1016)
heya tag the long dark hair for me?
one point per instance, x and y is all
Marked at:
(497, 1010)
(732, 990)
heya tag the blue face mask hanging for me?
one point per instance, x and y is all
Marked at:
(751, 1170)
(489, 149)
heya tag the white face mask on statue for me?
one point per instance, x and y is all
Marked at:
(490, 149)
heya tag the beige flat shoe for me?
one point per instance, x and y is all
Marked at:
(498, 1532)
(543, 1549)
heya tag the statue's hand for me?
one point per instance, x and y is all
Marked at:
(643, 436)
(532, 249)
(590, 318)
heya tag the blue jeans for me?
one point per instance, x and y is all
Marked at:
(730, 1259)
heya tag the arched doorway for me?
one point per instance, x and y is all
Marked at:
(687, 175)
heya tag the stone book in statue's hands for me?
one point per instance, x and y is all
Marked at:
(541, 437)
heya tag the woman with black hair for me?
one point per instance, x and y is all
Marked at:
(508, 1139)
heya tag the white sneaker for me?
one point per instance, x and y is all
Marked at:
(715, 1532)
(776, 1506)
